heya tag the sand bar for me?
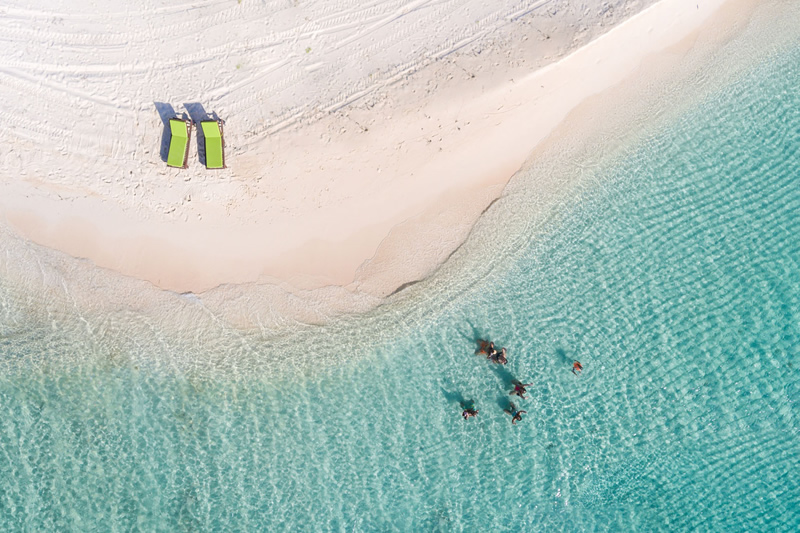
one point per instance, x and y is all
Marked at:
(371, 189)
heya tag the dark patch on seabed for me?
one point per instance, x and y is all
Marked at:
(404, 286)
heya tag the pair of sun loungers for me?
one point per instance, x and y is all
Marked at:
(179, 143)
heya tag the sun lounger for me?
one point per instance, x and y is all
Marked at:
(215, 143)
(179, 143)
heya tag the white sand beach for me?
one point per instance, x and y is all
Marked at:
(363, 139)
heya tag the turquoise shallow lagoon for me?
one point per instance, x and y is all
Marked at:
(674, 278)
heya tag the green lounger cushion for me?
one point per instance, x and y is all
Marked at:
(179, 143)
(213, 137)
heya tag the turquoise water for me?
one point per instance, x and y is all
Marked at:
(675, 280)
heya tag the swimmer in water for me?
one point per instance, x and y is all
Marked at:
(469, 410)
(519, 390)
(491, 351)
(516, 416)
(576, 368)
(485, 348)
(500, 358)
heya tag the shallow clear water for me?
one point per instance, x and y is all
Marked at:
(676, 283)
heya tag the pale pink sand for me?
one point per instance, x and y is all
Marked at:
(369, 196)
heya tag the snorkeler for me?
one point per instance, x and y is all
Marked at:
(516, 416)
(519, 389)
(576, 366)
(469, 410)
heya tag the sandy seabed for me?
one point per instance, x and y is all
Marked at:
(363, 141)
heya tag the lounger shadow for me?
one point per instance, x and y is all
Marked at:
(165, 112)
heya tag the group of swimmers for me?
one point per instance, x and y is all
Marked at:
(488, 349)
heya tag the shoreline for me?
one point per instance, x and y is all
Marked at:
(427, 166)
(144, 326)
(380, 274)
